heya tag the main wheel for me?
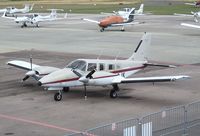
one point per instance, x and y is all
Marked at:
(58, 97)
(102, 29)
(113, 94)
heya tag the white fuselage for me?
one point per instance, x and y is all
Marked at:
(107, 71)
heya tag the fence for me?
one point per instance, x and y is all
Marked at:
(177, 121)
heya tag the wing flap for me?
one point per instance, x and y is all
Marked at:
(150, 79)
(22, 64)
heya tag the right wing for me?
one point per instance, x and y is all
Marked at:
(149, 79)
(90, 20)
(191, 4)
(184, 15)
(22, 64)
(190, 25)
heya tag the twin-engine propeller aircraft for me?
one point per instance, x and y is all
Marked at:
(35, 19)
(190, 25)
(122, 19)
(95, 72)
(196, 15)
(12, 10)
(196, 3)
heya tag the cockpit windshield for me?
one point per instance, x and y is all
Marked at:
(77, 64)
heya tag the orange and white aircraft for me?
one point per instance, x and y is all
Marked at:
(95, 72)
(122, 19)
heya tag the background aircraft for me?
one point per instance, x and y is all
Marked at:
(95, 72)
(12, 10)
(190, 25)
(196, 15)
(127, 18)
(124, 12)
(197, 3)
(35, 19)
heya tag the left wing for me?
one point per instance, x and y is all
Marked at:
(149, 79)
(184, 15)
(190, 25)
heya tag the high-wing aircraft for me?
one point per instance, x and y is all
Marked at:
(122, 19)
(35, 19)
(12, 10)
(190, 25)
(196, 3)
(196, 15)
(95, 72)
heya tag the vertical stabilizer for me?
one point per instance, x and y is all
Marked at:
(140, 10)
(140, 53)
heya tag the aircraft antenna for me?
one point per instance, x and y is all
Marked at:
(117, 55)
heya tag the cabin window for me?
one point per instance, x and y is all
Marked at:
(77, 64)
(118, 66)
(110, 67)
(91, 66)
(101, 66)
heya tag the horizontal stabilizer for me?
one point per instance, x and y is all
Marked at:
(184, 15)
(22, 64)
(160, 65)
(149, 79)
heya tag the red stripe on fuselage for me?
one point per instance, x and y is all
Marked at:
(117, 71)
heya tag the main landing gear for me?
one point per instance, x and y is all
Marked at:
(102, 29)
(58, 95)
(122, 29)
(24, 25)
(113, 92)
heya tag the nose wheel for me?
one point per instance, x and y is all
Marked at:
(102, 29)
(58, 96)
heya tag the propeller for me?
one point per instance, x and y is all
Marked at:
(31, 72)
(195, 16)
(84, 79)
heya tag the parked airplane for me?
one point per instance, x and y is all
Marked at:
(96, 72)
(197, 3)
(123, 19)
(35, 19)
(124, 12)
(190, 25)
(196, 15)
(12, 10)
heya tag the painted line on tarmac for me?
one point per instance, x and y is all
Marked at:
(38, 123)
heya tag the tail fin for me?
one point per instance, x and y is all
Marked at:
(140, 53)
(54, 12)
(131, 14)
(141, 9)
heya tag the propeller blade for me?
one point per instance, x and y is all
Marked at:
(89, 75)
(85, 92)
(25, 78)
(31, 61)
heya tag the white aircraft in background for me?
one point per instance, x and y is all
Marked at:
(125, 11)
(196, 15)
(95, 72)
(117, 20)
(35, 19)
(190, 25)
(12, 10)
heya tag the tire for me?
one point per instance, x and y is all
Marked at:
(58, 97)
(113, 94)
